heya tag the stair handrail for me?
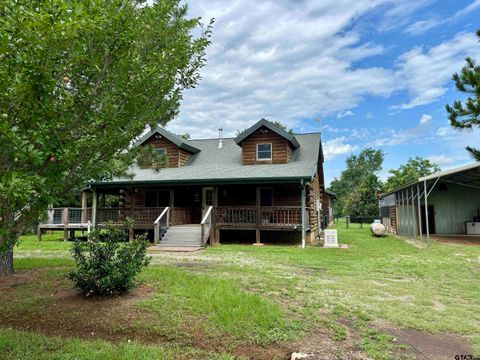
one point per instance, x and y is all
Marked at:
(206, 225)
(162, 222)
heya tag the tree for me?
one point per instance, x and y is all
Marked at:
(410, 171)
(467, 115)
(358, 183)
(80, 80)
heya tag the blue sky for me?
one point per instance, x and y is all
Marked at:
(363, 72)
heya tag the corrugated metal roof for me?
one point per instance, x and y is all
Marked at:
(212, 164)
(467, 174)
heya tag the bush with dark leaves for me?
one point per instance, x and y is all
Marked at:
(107, 264)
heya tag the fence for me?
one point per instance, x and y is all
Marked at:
(354, 222)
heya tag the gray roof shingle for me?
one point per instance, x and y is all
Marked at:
(212, 164)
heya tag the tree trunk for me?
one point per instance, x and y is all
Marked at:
(6, 261)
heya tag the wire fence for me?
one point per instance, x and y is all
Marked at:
(354, 222)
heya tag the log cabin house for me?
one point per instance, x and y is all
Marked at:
(265, 184)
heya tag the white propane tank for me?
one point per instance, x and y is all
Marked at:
(377, 228)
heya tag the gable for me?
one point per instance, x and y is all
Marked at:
(176, 156)
(281, 148)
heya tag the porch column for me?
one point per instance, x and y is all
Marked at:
(304, 229)
(84, 207)
(94, 209)
(172, 206)
(257, 230)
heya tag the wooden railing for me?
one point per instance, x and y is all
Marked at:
(68, 215)
(161, 225)
(239, 216)
(140, 215)
(206, 225)
(264, 216)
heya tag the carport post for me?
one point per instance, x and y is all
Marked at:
(414, 220)
(419, 213)
(426, 211)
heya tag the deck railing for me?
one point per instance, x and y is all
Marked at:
(161, 224)
(238, 216)
(206, 225)
(68, 215)
(264, 216)
(140, 215)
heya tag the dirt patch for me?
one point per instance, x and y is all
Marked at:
(426, 346)
(319, 345)
(45, 302)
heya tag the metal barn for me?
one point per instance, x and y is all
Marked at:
(444, 206)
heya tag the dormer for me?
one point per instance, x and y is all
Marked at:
(266, 143)
(176, 149)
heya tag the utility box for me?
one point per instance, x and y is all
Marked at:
(330, 239)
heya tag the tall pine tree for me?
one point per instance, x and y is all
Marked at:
(467, 115)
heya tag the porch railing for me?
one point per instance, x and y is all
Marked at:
(140, 215)
(206, 225)
(65, 216)
(264, 216)
(161, 225)
(68, 215)
(243, 216)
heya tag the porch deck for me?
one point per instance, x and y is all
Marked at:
(223, 217)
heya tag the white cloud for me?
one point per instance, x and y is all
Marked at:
(336, 147)
(425, 119)
(282, 60)
(343, 114)
(441, 160)
(473, 6)
(422, 26)
(444, 131)
(425, 73)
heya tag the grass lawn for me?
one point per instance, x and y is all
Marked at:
(235, 301)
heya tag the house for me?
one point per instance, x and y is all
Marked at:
(264, 184)
(443, 206)
(328, 200)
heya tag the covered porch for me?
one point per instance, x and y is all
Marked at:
(265, 207)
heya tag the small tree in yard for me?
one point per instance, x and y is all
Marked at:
(106, 265)
(79, 80)
(467, 116)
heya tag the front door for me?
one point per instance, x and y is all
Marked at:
(207, 199)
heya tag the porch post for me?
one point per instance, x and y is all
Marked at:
(427, 225)
(420, 230)
(84, 207)
(257, 230)
(303, 214)
(172, 206)
(94, 209)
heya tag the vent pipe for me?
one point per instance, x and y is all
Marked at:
(220, 138)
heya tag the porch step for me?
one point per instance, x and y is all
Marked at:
(182, 236)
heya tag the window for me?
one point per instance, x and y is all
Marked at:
(264, 151)
(266, 197)
(161, 151)
(159, 198)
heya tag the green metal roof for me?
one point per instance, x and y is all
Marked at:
(181, 143)
(269, 125)
(224, 165)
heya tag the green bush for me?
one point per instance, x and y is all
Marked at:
(106, 264)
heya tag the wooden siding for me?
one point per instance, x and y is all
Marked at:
(176, 157)
(281, 150)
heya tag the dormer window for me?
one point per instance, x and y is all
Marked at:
(161, 151)
(264, 152)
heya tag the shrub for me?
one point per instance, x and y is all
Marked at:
(106, 265)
